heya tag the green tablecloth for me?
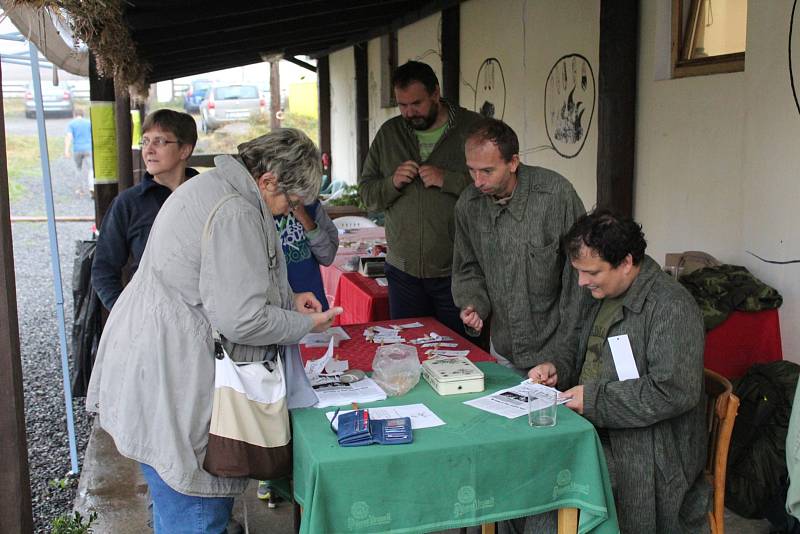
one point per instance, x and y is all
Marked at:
(477, 468)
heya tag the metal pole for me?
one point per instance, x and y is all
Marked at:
(54, 259)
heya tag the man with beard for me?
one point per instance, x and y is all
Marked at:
(414, 172)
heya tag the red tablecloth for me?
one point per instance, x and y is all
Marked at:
(743, 339)
(362, 298)
(360, 352)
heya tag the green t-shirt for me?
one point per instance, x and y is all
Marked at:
(593, 363)
(428, 139)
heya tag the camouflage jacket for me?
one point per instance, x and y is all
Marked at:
(723, 289)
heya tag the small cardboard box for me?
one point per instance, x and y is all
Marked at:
(451, 376)
(371, 266)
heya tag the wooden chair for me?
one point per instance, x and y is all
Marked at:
(721, 409)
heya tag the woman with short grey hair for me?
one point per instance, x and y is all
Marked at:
(213, 262)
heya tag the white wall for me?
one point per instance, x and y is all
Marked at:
(717, 158)
(770, 185)
(343, 115)
(418, 42)
(527, 38)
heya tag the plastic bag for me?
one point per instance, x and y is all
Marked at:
(396, 368)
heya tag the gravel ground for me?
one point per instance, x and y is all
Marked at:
(48, 447)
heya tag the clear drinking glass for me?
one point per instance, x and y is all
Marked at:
(542, 411)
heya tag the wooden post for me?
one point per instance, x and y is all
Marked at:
(101, 90)
(362, 104)
(616, 104)
(451, 53)
(324, 93)
(274, 94)
(122, 118)
(16, 514)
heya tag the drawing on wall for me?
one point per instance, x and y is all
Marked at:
(794, 54)
(569, 99)
(490, 89)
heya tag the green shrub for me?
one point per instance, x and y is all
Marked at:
(73, 524)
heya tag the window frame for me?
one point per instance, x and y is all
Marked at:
(682, 66)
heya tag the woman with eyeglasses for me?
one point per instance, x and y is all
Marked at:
(167, 142)
(213, 263)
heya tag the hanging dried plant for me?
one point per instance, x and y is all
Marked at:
(101, 25)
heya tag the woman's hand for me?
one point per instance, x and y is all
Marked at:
(307, 303)
(323, 320)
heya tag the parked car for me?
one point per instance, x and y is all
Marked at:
(57, 100)
(229, 103)
(195, 94)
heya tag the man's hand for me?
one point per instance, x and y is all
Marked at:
(544, 373)
(323, 320)
(405, 174)
(431, 176)
(307, 303)
(577, 399)
(471, 319)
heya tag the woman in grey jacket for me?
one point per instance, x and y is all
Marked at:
(154, 377)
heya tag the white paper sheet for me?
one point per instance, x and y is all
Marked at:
(336, 367)
(321, 339)
(623, 357)
(334, 393)
(447, 353)
(421, 416)
(513, 402)
(313, 368)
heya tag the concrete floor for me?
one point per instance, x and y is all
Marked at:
(113, 486)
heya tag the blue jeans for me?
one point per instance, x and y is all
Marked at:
(176, 513)
(410, 296)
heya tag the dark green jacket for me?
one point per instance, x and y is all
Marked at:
(419, 220)
(656, 423)
(507, 261)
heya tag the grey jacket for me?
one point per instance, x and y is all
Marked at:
(153, 379)
(507, 261)
(656, 423)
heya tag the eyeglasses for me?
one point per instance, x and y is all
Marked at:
(158, 142)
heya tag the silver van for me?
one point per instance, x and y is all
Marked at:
(224, 104)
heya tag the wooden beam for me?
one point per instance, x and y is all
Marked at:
(362, 104)
(124, 128)
(451, 53)
(16, 514)
(409, 17)
(274, 94)
(301, 63)
(100, 90)
(616, 104)
(324, 93)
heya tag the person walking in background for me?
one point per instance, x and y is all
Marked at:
(168, 139)
(78, 146)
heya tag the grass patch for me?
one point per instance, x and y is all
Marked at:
(24, 160)
(225, 140)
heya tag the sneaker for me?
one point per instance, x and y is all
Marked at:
(264, 492)
(272, 502)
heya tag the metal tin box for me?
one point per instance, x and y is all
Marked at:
(451, 376)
